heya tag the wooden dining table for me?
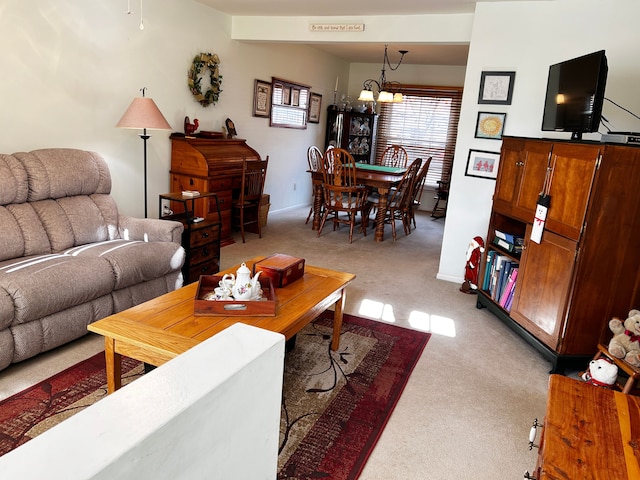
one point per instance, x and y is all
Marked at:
(375, 176)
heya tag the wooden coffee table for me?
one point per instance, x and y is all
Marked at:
(164, 327)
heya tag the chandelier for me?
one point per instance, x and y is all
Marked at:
(385, 89)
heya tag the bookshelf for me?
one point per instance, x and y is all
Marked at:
(584, 270)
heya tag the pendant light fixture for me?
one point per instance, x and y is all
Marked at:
(387, 91)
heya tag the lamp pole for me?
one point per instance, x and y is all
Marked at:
(144, 138)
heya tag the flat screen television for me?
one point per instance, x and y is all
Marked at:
(575, 94)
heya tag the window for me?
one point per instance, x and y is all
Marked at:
(425, 124)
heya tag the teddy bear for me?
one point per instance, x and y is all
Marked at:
(601, 372)
(625, 343)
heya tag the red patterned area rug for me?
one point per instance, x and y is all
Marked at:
(334, 408)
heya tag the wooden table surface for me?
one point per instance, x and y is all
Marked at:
(589, 433)
(162, 328)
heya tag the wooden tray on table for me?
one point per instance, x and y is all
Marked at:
(266, 307)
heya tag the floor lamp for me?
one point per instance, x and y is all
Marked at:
(143, 113)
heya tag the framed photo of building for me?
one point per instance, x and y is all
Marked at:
(261, 98)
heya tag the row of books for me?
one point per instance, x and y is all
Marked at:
(509, 242)
(500, 277)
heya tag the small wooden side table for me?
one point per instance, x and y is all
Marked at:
(589, 432)
(200, 239)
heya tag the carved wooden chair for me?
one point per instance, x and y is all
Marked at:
(315, 161)
(394, 156)
(246, 208)
(344, 199)
(399, 201)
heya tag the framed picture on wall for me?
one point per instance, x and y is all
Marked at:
(261, 98)
(496, 88)
(490, 125)
(482, 164)
(314, 107)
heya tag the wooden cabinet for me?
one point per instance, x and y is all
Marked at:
(352, 131)
(584, 271)
(210, 165)
(200, 239)
(588, 432)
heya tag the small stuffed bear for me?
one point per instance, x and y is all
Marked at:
(601, 373)
(625, 343)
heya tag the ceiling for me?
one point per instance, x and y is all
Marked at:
(420, 54)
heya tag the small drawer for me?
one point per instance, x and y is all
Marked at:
(207, 253)
(202, 236)
(224, 201)
(210, 268)
(215, 185)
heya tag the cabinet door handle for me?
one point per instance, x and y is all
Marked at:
(528, 476)
(532, 434)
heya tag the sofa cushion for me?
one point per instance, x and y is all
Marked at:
(14, 187)
(134, 261)
(34, 237)
(64, 172)
(45, 284)
(11, 240)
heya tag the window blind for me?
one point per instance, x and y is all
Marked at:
(425, 124)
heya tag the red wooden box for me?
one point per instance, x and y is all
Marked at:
(244, 308)
(281, 269)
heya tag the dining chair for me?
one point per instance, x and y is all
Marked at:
(315, 160)
(398, 202)
(246, 208)
(418, 185)
(344, 199)
(394, 156)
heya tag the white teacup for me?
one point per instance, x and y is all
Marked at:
(227, 282)
(222, 293)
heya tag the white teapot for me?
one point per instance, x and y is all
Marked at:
(245, 287)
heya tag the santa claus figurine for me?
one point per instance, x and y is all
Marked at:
(472, 269)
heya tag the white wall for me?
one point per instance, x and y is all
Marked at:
(527, 37)
(212, 412)
(70, 68)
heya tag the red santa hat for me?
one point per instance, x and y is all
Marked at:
(479, 241)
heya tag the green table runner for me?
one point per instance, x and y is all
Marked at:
(381, 168)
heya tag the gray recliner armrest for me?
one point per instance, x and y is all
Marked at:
(150, 229)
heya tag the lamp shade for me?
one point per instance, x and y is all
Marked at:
(143, 113)
(366, 96)
(385, 97)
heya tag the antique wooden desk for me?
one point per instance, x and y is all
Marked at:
(160, 329)
(380, 178)
(589, 432)
(209, 165)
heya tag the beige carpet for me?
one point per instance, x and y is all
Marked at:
(469, 404)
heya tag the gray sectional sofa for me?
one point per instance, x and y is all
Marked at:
(67, 257)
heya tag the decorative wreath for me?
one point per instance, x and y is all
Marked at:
(200, 62)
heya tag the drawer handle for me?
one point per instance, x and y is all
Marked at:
(205, 252)
(532, 434)
(205, 234)
(528, 476)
